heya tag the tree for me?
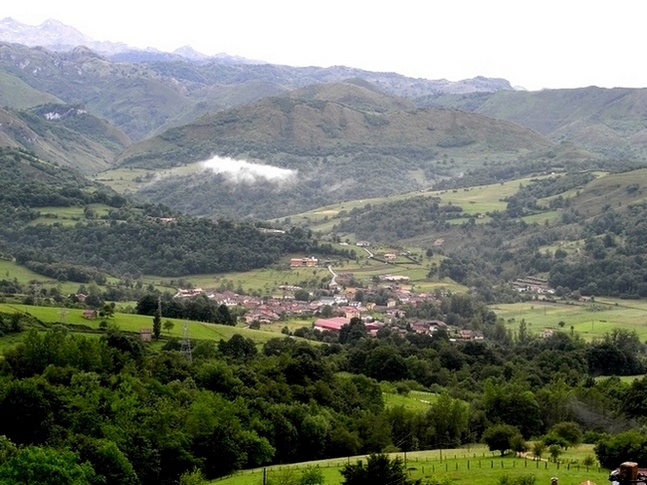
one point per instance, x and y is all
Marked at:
(46, 466)
(312, 476)
(499, 437)
(628, 446)
(538, 449)
(379, 470)
(326, 311)
(194, 477)
(352, 332)
(223, 315)
(168, 325)
(569, 431)
(107, 460)
(518, 444)
(7, 449)
(301, 295)
(512, 404)
(157, 324)
(555, 451)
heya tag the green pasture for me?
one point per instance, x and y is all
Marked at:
(568, 246)
(413, 400)
(10, 270)
(474, 466)
(266, 280)
(542, 217)
(122, 180)
(68, 215)
(625, 379)
(473, 200)
(10, 340)
(134, 323)
(591, 320)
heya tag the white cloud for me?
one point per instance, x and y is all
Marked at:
(241, 171)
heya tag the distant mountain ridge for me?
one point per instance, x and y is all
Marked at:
(57, 36)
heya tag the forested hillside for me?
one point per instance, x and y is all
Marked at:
(127, 239)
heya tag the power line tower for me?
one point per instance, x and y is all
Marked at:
(185, 348)
(36, 288)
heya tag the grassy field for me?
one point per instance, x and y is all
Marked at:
(133, 323)
(473, 466)
(126, 180)
(67, 215)
(267, 280)
(414, 400)
(591, 320)
(473, 200)
(10, 270)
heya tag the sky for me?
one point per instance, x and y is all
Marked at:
(533, 44)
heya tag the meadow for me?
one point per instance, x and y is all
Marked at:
(474, 465)
(10, 271)
(134, 323)
(473, 200)
(591, 320)
(127, 180)
(413, 400)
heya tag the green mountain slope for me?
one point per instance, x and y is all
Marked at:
(15, 93)
(335, 120)
(343, 141)
(142, 98)
(64, 134)
(612, 122)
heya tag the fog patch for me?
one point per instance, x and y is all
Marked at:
(241, 171)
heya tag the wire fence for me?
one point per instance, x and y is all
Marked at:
(431, 463)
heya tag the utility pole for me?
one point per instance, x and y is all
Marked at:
(185, 348)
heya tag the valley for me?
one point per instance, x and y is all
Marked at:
(369, 267)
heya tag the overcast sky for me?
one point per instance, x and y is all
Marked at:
(533, 44)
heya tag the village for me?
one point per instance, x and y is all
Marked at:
(382, 303)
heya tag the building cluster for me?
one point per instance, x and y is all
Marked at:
(330, 312)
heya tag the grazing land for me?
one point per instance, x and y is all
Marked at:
(473, 465)
(413, 400)
(134, 323)
(591, 320)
